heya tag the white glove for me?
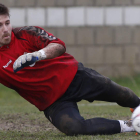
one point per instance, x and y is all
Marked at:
(28, 57)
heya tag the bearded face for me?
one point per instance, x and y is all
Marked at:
(5, 30)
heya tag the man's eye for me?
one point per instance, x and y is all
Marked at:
(7, 23)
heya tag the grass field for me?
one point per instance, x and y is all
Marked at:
(19, 120)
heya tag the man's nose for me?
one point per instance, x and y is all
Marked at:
(5, 29)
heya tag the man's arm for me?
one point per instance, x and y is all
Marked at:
(53, 50)
(49, 52)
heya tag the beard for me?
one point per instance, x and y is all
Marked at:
(5, 41)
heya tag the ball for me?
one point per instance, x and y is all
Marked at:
(136, 119)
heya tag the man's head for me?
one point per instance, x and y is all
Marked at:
(5, 26)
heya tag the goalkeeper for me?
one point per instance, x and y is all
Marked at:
(34, 63)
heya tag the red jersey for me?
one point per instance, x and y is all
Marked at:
(46, 81)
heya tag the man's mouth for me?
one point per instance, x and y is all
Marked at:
(6, 36)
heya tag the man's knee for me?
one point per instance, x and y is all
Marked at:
(72, 126)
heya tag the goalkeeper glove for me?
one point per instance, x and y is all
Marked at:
(28, 59)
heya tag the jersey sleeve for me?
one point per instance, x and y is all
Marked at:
(39, 38)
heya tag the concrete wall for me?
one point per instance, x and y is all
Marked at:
(103, 34)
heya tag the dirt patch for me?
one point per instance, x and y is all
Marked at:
(18, 122)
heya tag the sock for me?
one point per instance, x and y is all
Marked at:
(126, 126)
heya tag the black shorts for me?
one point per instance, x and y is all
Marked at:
(86, 85)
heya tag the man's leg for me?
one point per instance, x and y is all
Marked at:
(119, 94)
(65, 116)
(90, 85)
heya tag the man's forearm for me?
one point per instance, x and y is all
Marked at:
(53, 50)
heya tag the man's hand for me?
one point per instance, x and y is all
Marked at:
(28, 59)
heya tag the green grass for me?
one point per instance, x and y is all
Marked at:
(19, 120)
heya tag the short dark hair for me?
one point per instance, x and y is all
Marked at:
(4, 10)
